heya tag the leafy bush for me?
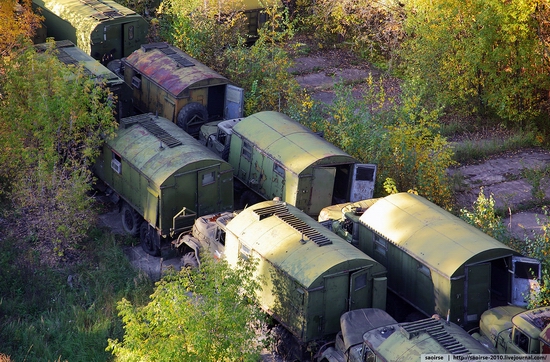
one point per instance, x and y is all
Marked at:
(206, 314)
(54, 119)
(203, 29)
(480, 57)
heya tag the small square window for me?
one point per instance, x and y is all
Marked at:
(208, 178)
(247, 151)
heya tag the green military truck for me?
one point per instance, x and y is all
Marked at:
(515, 330)
(162, 178)
(168, 82)
(275, 156)
(310, 275)
(436, 262)
(72, 56)
(104, 29)
(372, 335)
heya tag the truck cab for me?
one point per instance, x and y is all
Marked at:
(370, 335)
(217, 136)
(207, 236)
(515, 330)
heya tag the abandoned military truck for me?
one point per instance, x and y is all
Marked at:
(168, 82)
(104, 29)
(72, 56)
(163, 178)
(373, 335)
(311, 275)
(275, 156)
(436, 262)
(515, 330)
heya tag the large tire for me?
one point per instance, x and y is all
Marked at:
(189, 260)
(131, 220)
(150, 239)
(191, 117)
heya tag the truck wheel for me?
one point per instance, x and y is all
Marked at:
(130, 219)
(150, 239)
(189, 260)
(191, 117)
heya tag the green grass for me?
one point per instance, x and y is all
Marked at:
(43, 317)
(478, 150)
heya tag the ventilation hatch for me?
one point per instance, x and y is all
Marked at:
(281, 211)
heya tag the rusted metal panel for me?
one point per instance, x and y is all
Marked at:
(172, 70)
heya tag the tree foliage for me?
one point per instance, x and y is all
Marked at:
(372, 29)
(402, 138)
(484, 216)
(415, 155)
(478, 56)
(203, 29)
(52, 119)
(18, 24)
(206, 314)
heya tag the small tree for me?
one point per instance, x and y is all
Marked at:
(484, 217)
(52, 120)
(210, 314)
(18, 24)
(203, 29)
(478, 56)
(415, 155)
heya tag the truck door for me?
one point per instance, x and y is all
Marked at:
(335, 301)
(208, 197)
(477, 288)
(322, 185)
(359, 290)
(131, 40)
(362, 183)
(234, 100)
(525, 272)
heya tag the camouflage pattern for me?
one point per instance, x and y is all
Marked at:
(102, 28)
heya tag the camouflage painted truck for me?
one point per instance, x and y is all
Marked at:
(372, 335)
(72, 56)
(311, 275)
(168, 82)
(162, 178)
(436, 262)
(515, 330)
(275, 156)
(103, 29)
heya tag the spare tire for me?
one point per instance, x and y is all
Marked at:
(191, 117)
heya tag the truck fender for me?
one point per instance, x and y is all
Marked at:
(190, 241)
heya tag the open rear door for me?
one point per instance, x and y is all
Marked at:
(362, 184)
(525, 272)
(321, 190)
(234, 102)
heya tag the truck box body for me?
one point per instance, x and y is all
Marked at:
(166, 80)
(159, 170)
(436, 261)
(102, 28)
(311, 275)
(71, 55)
(277, 157)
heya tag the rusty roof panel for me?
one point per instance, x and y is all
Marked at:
(172, 69)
